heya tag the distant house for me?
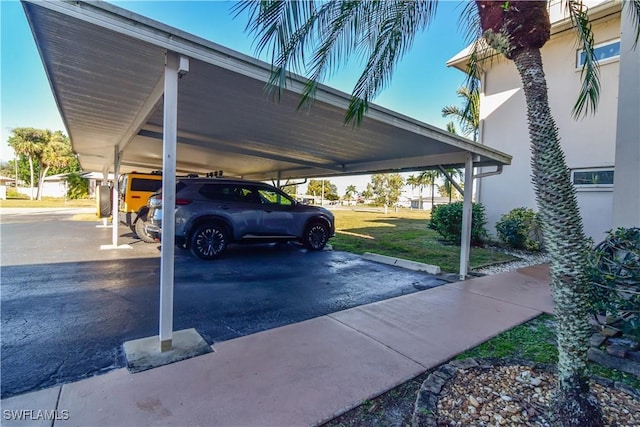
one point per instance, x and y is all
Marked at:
(426, 202)
(602, 151)
(55, 186)
(96, 179)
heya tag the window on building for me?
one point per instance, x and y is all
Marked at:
(604, 52)
(592, 178)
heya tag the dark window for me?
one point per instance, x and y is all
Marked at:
(247, 195)
(142, 184)
(593, 177)
(217, 192)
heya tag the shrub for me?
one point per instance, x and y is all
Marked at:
(447, 220)
(520, 229)
(12, 193)
(78, 187)
(614, 273)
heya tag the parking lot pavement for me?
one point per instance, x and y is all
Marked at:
(67, 306)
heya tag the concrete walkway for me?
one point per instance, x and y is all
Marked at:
(305, 373)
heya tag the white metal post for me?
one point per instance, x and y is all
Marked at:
(105, 181)
(467, 212)
(170, 130)
(114, 201)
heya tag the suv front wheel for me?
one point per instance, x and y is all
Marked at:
(316, 236)
(209, 241)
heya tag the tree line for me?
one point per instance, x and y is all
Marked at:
(41, 153)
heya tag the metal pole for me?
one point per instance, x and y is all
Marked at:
(114, 201)
(467, 212)
(170, 128)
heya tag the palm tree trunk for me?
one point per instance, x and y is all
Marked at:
(43, 175)
(31, 176)
(564, 238)
(433, 189)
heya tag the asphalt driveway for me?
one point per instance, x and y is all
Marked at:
(67, 306)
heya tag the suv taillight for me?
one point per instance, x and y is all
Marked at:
(182, 202)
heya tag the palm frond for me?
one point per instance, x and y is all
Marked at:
(451, 128)
(396, 25)
(340, 24)
(634, 12)
(315, 37)
(283, 28)
(469, 23)
(452, 110)
(590, 74)
(480, 52)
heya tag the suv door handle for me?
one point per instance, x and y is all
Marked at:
(224, 207)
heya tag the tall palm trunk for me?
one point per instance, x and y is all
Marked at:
(433, 189)
(31, 176)
(566, 243)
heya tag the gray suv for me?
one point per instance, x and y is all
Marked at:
(213, 212)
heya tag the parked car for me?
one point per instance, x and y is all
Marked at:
(211, 213)
(134, 190)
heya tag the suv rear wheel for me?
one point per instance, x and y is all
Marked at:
(316, 236)
(209, 240)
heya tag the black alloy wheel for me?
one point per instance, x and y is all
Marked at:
(316, 236)
(209, 241)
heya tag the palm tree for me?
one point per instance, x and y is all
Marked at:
(56, 153)
(28, 142)
(316, 36)
(415, 182)
(447, 189)
(367, 193)
(349, 192)
(429, 178)
(468, 115)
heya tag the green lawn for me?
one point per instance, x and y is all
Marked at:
(404, 234)
(47, 202)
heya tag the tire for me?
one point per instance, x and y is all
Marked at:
(209, 241)
(316, 236)
(141, 233)
(104, 201)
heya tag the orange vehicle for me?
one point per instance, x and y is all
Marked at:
(134, 189)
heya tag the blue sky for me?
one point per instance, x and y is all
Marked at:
(420, 87)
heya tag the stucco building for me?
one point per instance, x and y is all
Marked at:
(602, 150)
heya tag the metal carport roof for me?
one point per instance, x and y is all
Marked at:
(106, 68)
(136, 94)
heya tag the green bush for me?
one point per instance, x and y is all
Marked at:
(520, 229)
(78, 187)
(12, 193)
(447, 220)
(614, 273)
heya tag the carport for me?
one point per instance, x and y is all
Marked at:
(136, 94)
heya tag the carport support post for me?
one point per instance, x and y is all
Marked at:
(170, 131)
(467, 212)
(114, 192)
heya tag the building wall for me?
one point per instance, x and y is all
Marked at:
(626, 205)
(587, 142)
